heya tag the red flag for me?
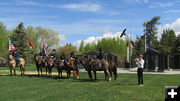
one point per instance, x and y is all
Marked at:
(132, 46)
(30, 43)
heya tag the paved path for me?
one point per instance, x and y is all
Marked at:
(134, 70)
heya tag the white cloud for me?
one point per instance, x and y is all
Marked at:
(161, 5)
(95, 39)
(84, 7)
(142, 1)
(172, 11)
(175, 26)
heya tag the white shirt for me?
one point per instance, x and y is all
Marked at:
(140, 65)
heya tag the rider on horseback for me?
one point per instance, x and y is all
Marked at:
(63, 57)
(16, 55)
(42, 53)
(53, 54)
(101, 54)
(76, 60)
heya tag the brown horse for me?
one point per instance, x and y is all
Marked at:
(71, 67)
(40, 63)
(12, 64)
(96, 65)
(50, 64)
(112, 69)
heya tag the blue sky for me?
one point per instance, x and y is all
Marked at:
(77, 20)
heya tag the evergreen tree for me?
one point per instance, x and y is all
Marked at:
(167, 40)
(81, 48)
(139, 46)
(150, 32)
(176, 48)
(20, 40)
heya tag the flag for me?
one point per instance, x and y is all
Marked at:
(30, 44)
(132, 44)
(44, 47)
(11, 46)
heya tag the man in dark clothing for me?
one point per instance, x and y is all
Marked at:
(16, 55)
(63, 57)
(53, 54)
(76, 60)
(101, 54)
(43, 54)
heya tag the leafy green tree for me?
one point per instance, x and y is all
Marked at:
(167, 40)
(67, 49)
(3, 41)
(139, 46)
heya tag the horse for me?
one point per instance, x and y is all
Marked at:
(40, 63)
(59, 64)
(12, 64)
(112, 69)
(50, 64)
(95, 65)
(71, 67)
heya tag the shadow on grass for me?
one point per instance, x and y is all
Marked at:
(125, 84)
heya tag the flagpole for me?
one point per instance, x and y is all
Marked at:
(131, 44)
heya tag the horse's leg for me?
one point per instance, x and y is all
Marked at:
(38, 70)
(10, 70)
(70, 74)
(77, 74)
(21, 69)
(115, 73)
(14, 71)
(74, 73)
(90, 75)
(46, 70)
(110, 71)
(95, 78)
(41, 71)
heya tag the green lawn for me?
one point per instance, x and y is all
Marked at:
(125, 88)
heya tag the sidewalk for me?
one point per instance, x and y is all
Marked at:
(134, 70)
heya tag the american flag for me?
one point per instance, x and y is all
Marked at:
(11, 46)
(44, 47)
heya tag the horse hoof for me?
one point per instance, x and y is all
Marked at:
(109, 79)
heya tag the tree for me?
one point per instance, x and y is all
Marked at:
(3, 41)
(176, 48)
(139, 46)
(167, 40)
(20, 40)
(150, 31)
(81, 48)
(67, 49)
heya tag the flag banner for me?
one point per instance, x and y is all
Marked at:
(11, 46)
(44, 47)
(132, 44)
(30, 44)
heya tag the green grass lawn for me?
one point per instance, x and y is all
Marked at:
(125, 88)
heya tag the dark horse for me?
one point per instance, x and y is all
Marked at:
(60, 65)
(95, 65)
(40, 63)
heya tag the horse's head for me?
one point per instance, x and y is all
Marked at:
(10, 57)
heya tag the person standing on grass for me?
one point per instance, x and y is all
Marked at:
(140, 65)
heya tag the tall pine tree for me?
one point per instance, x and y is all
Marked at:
(20, 40)
(150, 30)
(167, 40)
